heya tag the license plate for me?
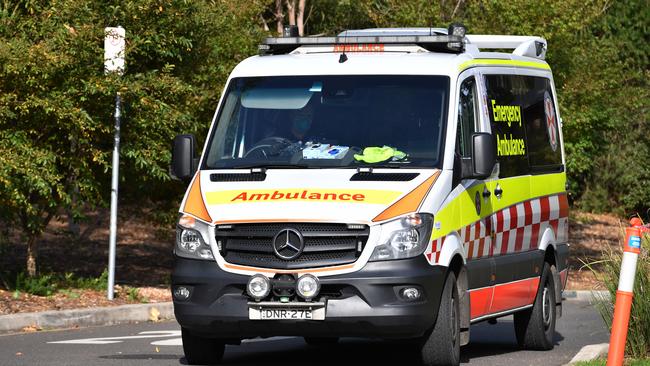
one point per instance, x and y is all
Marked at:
(287, 312)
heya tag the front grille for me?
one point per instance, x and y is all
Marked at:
(325, 244)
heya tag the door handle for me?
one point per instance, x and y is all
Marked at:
(498, 191)
(486, 193)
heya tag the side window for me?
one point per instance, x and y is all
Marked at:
(542, 126)
(507, 120)
(466, 117)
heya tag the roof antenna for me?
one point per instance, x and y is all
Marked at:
(343, 56)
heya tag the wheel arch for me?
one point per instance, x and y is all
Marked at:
(548, 245)
(457, 266)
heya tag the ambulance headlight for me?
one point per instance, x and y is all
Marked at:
(190, 243)
(405, 237)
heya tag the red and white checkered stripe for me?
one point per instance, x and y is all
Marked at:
(434, 250)
(511, 230)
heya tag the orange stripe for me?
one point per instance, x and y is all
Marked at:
(246, 221)
(267, 270)
(514, 295)
(503, 297)
(480, 300)
(409, 203)
(194, 204)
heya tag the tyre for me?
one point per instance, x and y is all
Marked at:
(321, 341)
(201, 350)
(535, 328)
(441, 346)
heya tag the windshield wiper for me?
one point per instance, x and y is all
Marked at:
(272, 165)
(378, 166)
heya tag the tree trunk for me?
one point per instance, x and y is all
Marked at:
(291, 10)
(279, 17)
(300, 16)
(31, 256)
(266, 26)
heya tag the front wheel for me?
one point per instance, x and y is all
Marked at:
(201, 350)
(535, 328)
(441, 346)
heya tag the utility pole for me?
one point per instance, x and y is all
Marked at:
(114, 45)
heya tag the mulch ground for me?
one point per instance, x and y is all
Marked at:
(590, 235)
(144, 260)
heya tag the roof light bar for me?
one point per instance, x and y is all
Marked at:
(437, 43)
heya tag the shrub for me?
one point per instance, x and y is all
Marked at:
(50, 283)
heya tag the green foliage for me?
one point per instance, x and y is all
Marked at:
(645, 362)
(56, 104)
(638, 337)
(133, 295)
(599, 53)
(42, 285)
(51, 283)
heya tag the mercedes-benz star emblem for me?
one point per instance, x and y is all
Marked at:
(288, 244)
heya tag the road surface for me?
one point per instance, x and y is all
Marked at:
(160, 344)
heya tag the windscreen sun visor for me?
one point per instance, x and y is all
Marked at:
(280, 98)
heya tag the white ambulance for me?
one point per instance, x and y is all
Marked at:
(385, 183)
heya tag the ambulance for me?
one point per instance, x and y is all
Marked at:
(398, 184)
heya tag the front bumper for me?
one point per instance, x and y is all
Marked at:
(365, 303)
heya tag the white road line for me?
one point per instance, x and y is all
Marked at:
(154, 334)
(111, 340)
(168, 342)
(179, 341)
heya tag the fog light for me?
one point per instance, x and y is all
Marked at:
(410, 294)
(258, 287)
(307, 286)
(205, 254)
(181, 293)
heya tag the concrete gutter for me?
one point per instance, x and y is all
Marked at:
(585, 295)
(590, 353)
(110, 315)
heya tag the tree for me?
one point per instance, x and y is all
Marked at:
(295, 15)
(56, 105)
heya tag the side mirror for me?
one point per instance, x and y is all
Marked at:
(483, 158)
(483, 154)
(183, 162)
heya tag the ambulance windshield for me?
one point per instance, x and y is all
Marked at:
(330, 121)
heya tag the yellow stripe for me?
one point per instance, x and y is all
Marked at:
(310, 195)
(497, 62)
(462, 210)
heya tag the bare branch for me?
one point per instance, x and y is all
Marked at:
(453, 14)
(264, 24)
(291, 10)
(279, 16)
(311, 10)
(300, 15)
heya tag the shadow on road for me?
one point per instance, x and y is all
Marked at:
(486, 340)
(493, 340)
(154, 356)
